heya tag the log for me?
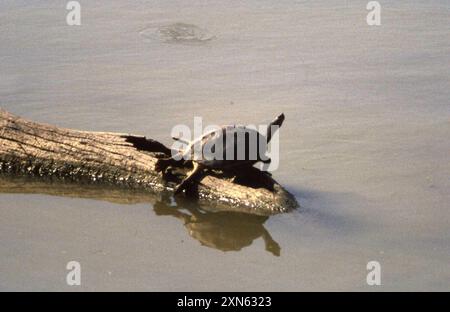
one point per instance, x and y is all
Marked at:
(122, 160)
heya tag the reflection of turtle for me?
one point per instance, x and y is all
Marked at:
(245, 139)
(230, 231)
(226, 231)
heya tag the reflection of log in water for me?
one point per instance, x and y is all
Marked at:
(222, 230)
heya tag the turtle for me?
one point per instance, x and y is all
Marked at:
(243, 137)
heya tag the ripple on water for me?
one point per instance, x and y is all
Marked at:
(177, 33)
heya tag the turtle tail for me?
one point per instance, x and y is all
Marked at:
(273, 126)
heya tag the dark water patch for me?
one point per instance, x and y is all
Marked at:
(177, 33)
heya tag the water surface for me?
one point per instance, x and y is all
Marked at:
(364, 146)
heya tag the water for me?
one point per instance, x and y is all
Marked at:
(365, 143)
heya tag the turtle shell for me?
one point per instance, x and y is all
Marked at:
(229, 146)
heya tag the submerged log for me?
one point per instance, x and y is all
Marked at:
(124, 160)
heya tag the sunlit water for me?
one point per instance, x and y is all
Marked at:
(365, 145)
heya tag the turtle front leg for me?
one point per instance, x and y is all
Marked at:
(162, 164)
(187, 182)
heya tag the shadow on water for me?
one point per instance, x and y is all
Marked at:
(222, 230)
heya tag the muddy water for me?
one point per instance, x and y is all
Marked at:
(364, 146)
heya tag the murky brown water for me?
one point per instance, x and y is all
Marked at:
(365, 143)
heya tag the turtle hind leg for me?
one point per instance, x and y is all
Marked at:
(187, 182)
(253, 177)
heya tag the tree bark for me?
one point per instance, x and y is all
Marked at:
(32, 149)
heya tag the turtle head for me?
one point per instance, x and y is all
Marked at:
(274, 125)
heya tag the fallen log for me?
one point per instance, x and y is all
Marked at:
(124, 160)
